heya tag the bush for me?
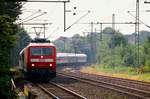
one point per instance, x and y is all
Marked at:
(5, 86)
(146, 68)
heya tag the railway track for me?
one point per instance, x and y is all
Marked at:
(140, 94)
(145, 85)
(59, 92)
(114, 80)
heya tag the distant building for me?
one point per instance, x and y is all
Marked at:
(130, 38)
(142, 37)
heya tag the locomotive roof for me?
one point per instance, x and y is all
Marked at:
(41, 44)
(36, 44)
(70, 54)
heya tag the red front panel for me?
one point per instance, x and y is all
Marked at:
(42, 57)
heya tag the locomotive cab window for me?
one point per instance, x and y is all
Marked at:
(35, 51)
(46, 51)
(41, 51)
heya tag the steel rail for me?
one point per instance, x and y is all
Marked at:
(48, 92)
(126, 80)
(69, 91)
(60, 87)
(110, 86)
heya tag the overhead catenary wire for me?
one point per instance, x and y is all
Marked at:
(53, 32)
(33, 18)
(30, 16)
(78, 20)
(139, 20)
(50, 1)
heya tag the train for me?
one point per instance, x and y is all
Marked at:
(67, 59)
(38, 59)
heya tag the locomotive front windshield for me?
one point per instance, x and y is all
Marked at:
(41, 51)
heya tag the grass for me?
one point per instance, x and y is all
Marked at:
(117, 71)
(145, 77)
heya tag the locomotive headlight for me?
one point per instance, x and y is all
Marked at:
(34, 60)
(33, 65)
(50, 65)
(49, 60)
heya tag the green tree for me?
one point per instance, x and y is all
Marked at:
(8, 36)
(128, 55)
(117, 39)
(23, 39)
(10, 8)
(9, 12)
(147, 54)
(114, 49)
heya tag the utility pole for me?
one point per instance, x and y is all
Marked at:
(96, 43)
(101, 28)
(64, 45)
(113, 21)
(100, 43)
(92, 44)
(137, 33)
(44, 30)
(101, 31)
(64, 16)
(84, 37)
(112, 37)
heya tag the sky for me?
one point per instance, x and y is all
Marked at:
(100, 11)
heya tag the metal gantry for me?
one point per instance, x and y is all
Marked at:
(104, 23)
(146, 2)
(42, 25)
(54, 1)
(101, 30)
(49, 1)
(64, 10)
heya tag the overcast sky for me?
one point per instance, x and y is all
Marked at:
(101, 11)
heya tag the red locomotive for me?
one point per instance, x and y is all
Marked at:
(38, 59)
